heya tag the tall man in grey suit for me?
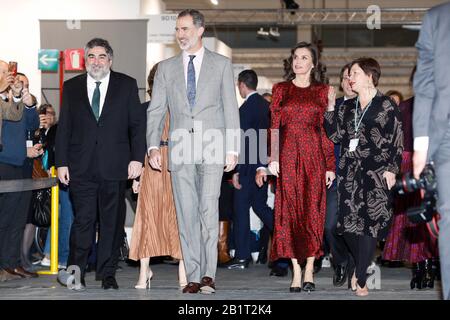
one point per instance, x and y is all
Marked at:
(197, 87)
(431, 118)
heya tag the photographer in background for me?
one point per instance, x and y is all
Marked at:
(431, 116)
(13, 165)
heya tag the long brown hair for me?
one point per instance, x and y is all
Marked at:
(318, 71)
(151, 78)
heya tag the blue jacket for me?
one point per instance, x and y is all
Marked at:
(14, 137)
(254, 114)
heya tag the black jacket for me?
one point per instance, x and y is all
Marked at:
(102, 149)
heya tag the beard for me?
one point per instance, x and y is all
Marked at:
(97, 72)
(186, 43)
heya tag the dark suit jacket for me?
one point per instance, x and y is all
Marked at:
(254, 114)
(102, 149)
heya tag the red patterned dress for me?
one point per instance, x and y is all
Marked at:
(305, 153)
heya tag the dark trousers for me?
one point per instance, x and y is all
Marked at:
(92, 199)
(335, 242)
(362, 249)
(249, 196)
(14, 207)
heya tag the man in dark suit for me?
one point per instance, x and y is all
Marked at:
(254, 116)
(431, 119)
(99, 145)
(342, 261)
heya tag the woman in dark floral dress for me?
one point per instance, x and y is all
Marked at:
(369, 130)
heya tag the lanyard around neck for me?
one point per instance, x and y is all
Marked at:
(358, 123)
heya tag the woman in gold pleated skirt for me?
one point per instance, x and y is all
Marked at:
(155, 230)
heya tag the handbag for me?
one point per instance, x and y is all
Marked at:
(41, 206)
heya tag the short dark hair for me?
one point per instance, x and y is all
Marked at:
(341, 74)
(197, 17)
(370, 66)
(394, 93)
(249, 78)
(318, 71)
(98, 42)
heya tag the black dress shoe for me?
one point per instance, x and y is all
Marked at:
(317, 265)
(340, 275)
(262, 256)
(279, 272)
(295, 289)
(236, 263)
(109, 283)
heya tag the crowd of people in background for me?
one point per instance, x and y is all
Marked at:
(331, 162)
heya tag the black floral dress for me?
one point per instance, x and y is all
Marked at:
(365, 203)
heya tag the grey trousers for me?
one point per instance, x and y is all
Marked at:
(442, 165)
(196, 190)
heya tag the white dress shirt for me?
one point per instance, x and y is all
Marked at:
(91, 84)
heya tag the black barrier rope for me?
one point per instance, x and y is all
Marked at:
(26, 184)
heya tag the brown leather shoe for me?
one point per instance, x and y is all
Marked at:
(192, 287)
(207, 285)
(22, 272)
(5, 276)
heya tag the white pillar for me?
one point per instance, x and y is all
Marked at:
(155, 51)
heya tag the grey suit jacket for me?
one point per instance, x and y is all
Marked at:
(432, 79)
(215, 108)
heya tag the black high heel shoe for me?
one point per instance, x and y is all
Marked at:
(309, 286)
(418, 275)
(350, 273)
(429, 274)
(295, 289)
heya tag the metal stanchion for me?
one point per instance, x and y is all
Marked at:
(54, 230)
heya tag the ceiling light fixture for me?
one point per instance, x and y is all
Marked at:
(215, 2)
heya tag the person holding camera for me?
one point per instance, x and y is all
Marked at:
(11, 107)
(369, 129)
(14, 206)
(407, 240)
(431, 119)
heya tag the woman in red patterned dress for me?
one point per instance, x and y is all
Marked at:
(302, 158)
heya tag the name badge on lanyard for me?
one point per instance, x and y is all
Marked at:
(355, 141)
(353, 144)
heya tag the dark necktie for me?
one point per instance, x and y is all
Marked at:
(96, 100)
(190, 90)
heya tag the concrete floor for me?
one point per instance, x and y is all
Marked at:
(250, 284)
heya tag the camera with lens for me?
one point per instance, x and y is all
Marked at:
(406, 183)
